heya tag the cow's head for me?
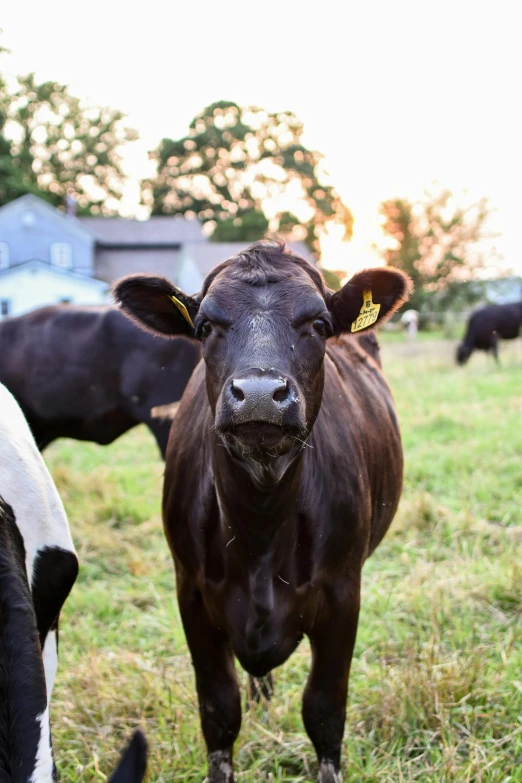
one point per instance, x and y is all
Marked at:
(263, 319)
(463, 353)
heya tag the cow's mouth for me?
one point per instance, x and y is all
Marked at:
(259, 439)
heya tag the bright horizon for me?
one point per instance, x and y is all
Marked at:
(393, 97)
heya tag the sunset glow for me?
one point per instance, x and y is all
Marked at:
(393, 97)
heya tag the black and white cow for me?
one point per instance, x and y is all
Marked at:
(38, 567)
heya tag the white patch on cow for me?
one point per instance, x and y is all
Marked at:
(220, 760)
(328, 773)
(43, 769)
(26, 485)
(50, 659)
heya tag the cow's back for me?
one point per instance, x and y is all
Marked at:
(52, 363)
(505, 320)
(89, 373)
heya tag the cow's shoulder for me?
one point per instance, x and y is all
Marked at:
(351, 355)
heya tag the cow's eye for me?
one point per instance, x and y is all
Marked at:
(322, 327)
(203, 330)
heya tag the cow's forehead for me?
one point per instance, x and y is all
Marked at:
(232, 291)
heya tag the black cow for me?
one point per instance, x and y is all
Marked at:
(284, 471)
(486, 325)
(38, 567)
(88, 373)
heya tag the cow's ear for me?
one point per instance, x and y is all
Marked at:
(157, 305)
(369, 298)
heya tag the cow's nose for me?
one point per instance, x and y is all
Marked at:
(261, 397)
(276, 389)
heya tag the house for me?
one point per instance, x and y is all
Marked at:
(45, 257)
(35, 283)
(123, 246)
(48, 256)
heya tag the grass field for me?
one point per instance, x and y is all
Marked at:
(436, 684)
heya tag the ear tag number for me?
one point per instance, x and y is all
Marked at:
(183, 310)
(368, 315)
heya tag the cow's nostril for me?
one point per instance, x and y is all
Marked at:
(281, 393)
(237, 393)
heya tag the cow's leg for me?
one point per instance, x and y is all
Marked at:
(324, 701)
(160, 428)
(216, 683)
(260, 688)
(42, 435)
(494, 347)
(54, 573)
(50, 657)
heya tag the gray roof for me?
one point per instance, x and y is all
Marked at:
(207, 255)
(158, 230)
(30, 201)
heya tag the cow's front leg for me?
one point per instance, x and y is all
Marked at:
(324, 701)
(216, 683)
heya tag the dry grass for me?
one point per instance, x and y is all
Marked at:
(436, 686)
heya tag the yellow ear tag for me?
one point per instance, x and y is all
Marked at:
(183, 310)
(368, 315)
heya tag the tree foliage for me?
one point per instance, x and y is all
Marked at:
(437, 241)
(243, 171)
(53, 145)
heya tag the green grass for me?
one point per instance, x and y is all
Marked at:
(436, 684)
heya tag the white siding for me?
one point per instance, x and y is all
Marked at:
(61, 255)
(28, 287)
(188, 277)
(4, 255)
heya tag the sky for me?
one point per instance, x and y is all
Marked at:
(396, 95)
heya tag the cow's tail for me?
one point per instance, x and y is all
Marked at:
(133, 762)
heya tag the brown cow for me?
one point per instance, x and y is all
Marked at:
(284, 471)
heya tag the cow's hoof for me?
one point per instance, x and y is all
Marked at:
(220, 767)
(328, 773)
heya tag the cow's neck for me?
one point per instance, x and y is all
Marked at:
(258, 501)
(258, 510)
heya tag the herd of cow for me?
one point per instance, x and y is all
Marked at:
(283, 472)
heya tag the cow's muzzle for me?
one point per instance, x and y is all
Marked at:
(260, 410)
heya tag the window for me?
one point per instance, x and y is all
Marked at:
(61, 255)
(5, 307)
(4, 255)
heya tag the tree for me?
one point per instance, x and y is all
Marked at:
(243, 171)
(53, 145)
(251, 226)
(438, 242)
